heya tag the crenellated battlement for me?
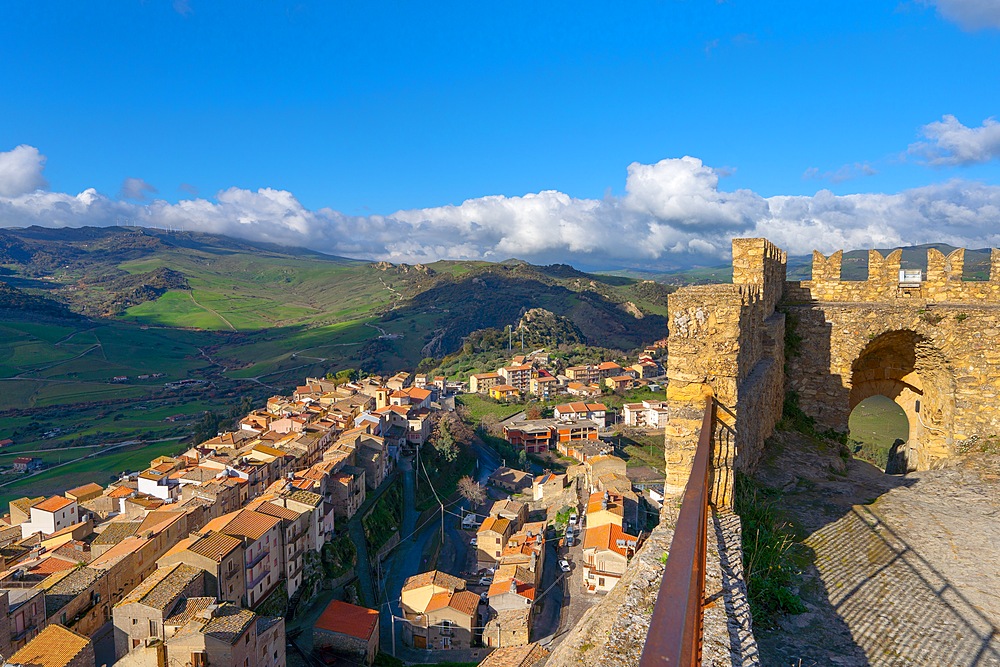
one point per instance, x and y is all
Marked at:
(942, 282)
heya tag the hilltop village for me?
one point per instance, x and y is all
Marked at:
(313, 530)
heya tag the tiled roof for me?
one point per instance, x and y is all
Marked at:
(55, 646)
(348, 619)
(438, 601)
(62, 587)
(124, 548)
(158, 520)
(515, 656)
(162, 588)
(54, 504)
(605, 538)
(85, 490)
(440, 579)
(522, 588)
(244, 523)
(277, 511)
(215, 546)
(496, 524)
(465, 602)
(51, 564)
(305, 497)
(25, 504)
(116, 531)
(120, 492)
(187, 609)
(228, 623)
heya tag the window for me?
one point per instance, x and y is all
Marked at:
(199, 659)
(153, 629)
(134, 621)
(136, 642)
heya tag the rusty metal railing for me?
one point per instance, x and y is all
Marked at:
(675, 631)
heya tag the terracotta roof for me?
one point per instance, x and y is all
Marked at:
(85, 490)
(124, 548)
(269, 508)
(54, 504)
(438, 601)
(120, 492)
(348, 619)
(55, 646)
(496, 524)
(522, 588)
(440, 579)
(465, 602)
(605, 538)
(51, 564)
(158, 520)
(214, 545)
(244, 523)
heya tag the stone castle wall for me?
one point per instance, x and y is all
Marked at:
(942, 283)
(931, 348)
(726, 341)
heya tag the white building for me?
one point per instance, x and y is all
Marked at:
(50, 516)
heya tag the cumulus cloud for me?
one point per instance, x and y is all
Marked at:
(672, 214)
(970, 14)
(949, 142)
(136, 188)
(845, 173)
(21, 171)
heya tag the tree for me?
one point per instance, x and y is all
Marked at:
(472, 490)
(534, 412)
(522, 458)
(444, 444)
(491, 424)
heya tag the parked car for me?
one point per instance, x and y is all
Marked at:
(564, 565)
(485, 581)
(573, 519)
(484, 597)
(474, 542)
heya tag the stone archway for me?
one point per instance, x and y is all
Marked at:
(906, 367)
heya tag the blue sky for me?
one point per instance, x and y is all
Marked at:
(405, 130)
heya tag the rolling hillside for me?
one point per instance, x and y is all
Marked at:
(95, 322)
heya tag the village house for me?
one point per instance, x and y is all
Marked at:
(511, 509)
(517, 376)
(219, 556)
(532, 435)
(543, 386)
(504, 392)
(141, 614)
(481, 383)
(27, 464)
(49, 516)
(263, 550)
(516, 655)
(491, 538)
(510, 627)
(547, 486)
(82, 494)
(606, 553)
(56, 646)
(647, 414)
(619, 382)
(439, 612)
(348, 630)
(510, 479)
(582, 389)
(586, 374)
(595, 412)
(23, 610)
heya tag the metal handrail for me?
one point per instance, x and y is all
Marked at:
(675, 631)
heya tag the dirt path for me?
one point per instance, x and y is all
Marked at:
(228, 323)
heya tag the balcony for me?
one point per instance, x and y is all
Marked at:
(258, 558)
(256, 580)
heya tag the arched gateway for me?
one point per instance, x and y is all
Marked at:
(930, 342)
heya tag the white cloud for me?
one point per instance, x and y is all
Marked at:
(970, 14)
(846, 172)
(136, 188)
(951, 143)
(21, 171)
(672, 214)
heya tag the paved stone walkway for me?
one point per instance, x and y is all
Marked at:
(901, 571)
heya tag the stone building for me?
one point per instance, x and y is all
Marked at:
(56, 646)
(349, 630)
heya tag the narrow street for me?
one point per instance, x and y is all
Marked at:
(407, 559)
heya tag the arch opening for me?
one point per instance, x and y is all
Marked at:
(879, 431)
(905, 367)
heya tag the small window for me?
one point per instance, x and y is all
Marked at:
(153, 629)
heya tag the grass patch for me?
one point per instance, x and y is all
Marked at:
(385, 517)
(771, 554)
(339, 556)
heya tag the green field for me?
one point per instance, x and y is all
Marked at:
(875, 424)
